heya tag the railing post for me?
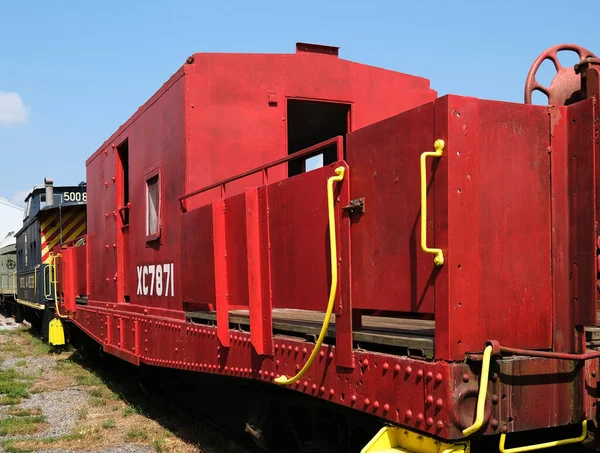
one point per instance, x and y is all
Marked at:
(343, 311)
(220, 258)
(259, 297)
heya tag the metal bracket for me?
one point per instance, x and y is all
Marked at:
(356, 206)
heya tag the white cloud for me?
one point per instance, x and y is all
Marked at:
(18, 197)
(12, 109)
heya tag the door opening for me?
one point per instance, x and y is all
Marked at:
(122, 251)
(312, 122)
(123, 175)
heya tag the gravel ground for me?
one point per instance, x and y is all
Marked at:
(126, 449)
(60, 408)
(86, 409)
(33, 366)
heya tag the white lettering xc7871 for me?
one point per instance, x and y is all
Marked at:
(155, 279)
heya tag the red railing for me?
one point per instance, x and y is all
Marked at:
(307, 152)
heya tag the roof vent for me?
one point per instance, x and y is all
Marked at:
(302, 47)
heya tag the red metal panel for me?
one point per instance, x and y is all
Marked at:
(299, 236)
(583, 186)
(498, 256)
(237, 253)
(197, 251)
(66, 278)
(79, 256)
(389, 271)
(259, 281)
(156, 138)
(222, 285)
(237, 104)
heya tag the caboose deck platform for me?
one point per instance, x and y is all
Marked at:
(414, 335)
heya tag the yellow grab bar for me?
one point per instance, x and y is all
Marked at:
(45, 283)
(554, 443)
(35, 269)
(53, 264)
(284, 380)
(483, 385)
(439, 255)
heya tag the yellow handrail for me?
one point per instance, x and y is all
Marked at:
(551, 444)
(439, 255)
(53, 261)
(483, 385)
(35, 269)
(284, 380)
(45, 283)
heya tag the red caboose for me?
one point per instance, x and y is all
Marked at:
(337, 229)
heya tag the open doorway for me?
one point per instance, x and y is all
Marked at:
(312, 122)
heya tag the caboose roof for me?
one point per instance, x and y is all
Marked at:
(323, 57)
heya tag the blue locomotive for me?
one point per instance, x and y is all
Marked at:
(53, 217)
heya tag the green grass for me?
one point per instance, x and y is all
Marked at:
(13, 386)
(96, 392)
(16, 446)
(136, 434)
(128, 411)
(12, 426)
(159, 445)
(18, 412)
(109, 423)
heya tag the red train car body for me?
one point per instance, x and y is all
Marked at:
(463, 281)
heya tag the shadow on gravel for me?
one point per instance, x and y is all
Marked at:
(183, 402)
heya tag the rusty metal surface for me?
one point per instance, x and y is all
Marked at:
(514, 219)
(565, 86)
(434, 397)
(492, 214)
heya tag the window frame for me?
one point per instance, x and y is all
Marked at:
(150, 173)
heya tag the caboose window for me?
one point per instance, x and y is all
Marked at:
(153, 208)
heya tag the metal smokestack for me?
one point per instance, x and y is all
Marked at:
(49, 191)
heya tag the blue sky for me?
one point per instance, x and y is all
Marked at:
(71, 71)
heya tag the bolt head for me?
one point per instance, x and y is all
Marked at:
(408, 414)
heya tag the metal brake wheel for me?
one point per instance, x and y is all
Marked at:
(565, 84)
